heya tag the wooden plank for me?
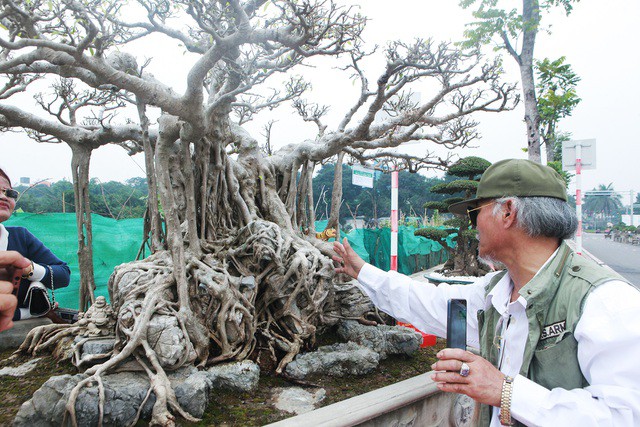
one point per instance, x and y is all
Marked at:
(360, 409)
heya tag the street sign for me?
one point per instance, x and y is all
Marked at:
(362, 176)
(587, 150)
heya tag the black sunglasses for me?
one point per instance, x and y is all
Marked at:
(473, 213)
(10, 192)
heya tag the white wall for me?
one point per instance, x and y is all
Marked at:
(627, 220)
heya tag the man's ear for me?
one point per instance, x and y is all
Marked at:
(508, 214)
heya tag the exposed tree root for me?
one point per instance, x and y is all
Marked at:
(267, 285)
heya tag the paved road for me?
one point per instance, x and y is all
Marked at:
(622, 257)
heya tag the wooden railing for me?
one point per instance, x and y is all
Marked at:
(413, 402)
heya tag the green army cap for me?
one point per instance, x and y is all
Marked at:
(515, 177)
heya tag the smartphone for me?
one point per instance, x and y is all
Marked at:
(457, 323)
(9, 274)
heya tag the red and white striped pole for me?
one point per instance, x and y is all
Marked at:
(394, 219)
(427, 339)
(579, 197)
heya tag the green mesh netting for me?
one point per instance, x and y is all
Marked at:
(321, 225)
(117, 242)
(415, 253)
(114, 243)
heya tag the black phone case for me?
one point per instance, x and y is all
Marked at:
(457, 323)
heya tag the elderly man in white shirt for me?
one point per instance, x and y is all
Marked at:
(559, 335)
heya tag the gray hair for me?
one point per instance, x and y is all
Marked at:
(542, 216)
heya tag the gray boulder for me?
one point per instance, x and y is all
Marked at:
(168, 341)
(240, 376)
(12, 338)
(297, 400)
(383, 339)
(350, 301)
(124, 393)
(97, 345)
(47, 406)
(94, 350)
(192, 389)
(335, 360)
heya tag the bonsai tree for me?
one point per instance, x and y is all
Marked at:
(230, 269)
(463, 257)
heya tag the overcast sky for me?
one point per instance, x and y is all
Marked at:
(599, 39)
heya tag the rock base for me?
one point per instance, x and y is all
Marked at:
(335, 360)
(125, 393)
(383, 339)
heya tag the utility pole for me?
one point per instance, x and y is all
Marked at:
(579, 197)
(631, 206)
(579, 155)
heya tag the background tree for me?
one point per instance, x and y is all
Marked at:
(463, 260)
(116, 200)
(46, 197)
(82, 118)
(373, 203)
(608, 203)
(557, 88)
(510, 28)
(237, 278)
(111, 199)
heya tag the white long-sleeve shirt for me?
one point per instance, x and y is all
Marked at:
(608, 336)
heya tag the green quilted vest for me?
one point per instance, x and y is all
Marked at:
(555, 299)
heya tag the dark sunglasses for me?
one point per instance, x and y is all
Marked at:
(473, 213)
(10, 192)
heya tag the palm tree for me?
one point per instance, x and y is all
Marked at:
(605, 201)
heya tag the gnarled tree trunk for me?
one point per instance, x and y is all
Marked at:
(336, 195)
(80, 159)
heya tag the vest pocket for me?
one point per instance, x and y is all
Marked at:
(557, 365)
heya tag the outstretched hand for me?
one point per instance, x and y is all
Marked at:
(348, 261)
(11, 265)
